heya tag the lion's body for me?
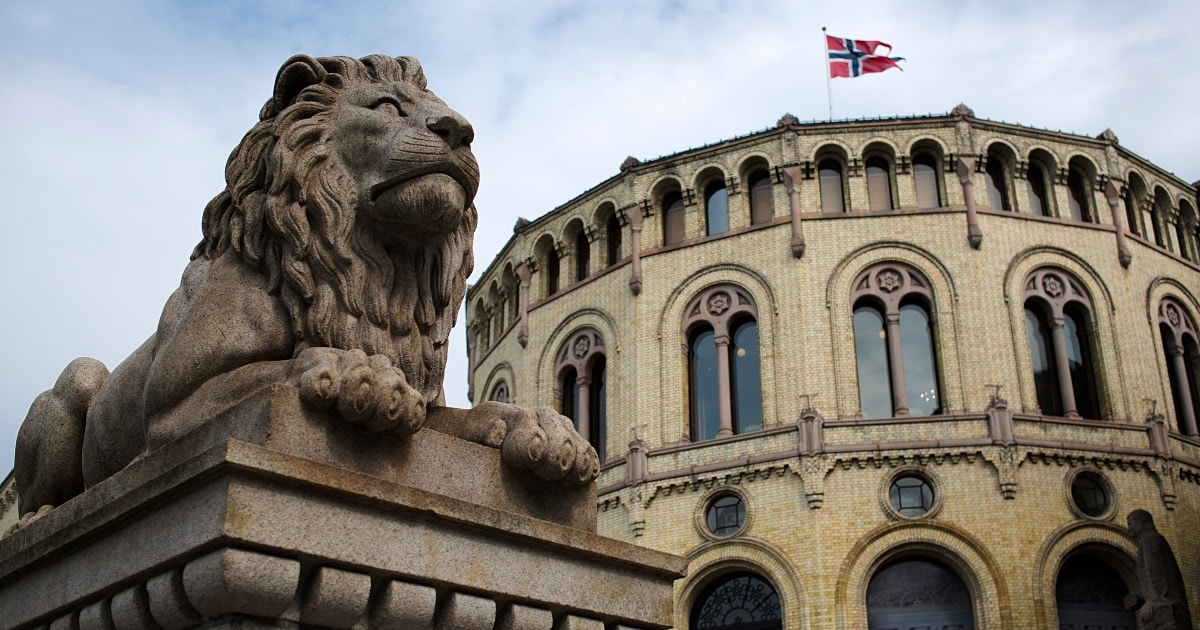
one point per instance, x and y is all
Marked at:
(335, 260)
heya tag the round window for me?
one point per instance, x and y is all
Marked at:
(911, 495)
(1089, 494)
(725, 515)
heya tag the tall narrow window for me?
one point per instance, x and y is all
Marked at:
(1161, 209)
(1182, 352)
(706, 422)
(926, 179)
(581, 384)
(997, 184)
(829, 172)
(761, 204)
(552, 272)
(1035, 185)
(672, 218)
(747, 379)
(716, 208)
(724, 373)
(879, 183)
(612, 233)
(1058, 316)
(583, 256)
(1078, 194)
(1131, 213)
(894, 343)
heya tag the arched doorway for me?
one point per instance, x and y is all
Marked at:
(1091, 595)
(737, 601)
(918, 593)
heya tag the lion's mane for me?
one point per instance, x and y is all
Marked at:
(289, 210)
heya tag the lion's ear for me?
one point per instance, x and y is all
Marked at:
(296, 74)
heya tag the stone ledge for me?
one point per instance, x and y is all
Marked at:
(211, 529)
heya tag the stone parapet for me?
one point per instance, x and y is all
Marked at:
(248, 521)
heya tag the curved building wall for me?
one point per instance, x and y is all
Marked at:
(979, 317)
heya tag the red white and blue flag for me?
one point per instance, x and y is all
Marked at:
(855, 57)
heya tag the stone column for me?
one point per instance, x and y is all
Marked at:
(791, 178)
(634, 215)
(1185, 413)
(1112, 194)
(896, 365)
(523, 273)
(583, 405)
(1066, 390)
(974, 234)
(724, 395)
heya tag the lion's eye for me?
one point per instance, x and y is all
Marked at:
(389, 106)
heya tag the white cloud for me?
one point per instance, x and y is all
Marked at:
(117, 119)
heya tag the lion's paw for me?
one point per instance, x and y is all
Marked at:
(365, 391)
(27, 519)
(545, 443)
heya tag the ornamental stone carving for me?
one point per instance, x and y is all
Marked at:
(718, 303)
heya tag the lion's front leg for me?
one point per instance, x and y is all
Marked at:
(366, 391)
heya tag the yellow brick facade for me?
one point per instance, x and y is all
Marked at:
(815, 479)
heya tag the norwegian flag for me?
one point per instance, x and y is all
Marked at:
(855, 57)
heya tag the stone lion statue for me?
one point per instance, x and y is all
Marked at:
(335, 260)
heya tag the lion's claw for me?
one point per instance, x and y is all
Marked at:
(366, 391)
(545, 443)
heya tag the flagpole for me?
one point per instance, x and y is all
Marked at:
(828, 81)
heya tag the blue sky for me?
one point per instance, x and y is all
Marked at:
(117, 117)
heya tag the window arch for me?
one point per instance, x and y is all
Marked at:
(612, 233)
(672, 217)
(720, 329)
(500, 393)
(918, 592)
(894, 342)
(1090, 594)
(581, 385)
(999, 169)
(1080, 184)
(716, 207)
(761, 201)
(1037, 188)
(831, 176)
(1182, 352)
(925, 177)
(1058, 324)
(737, 601)
(879, 183)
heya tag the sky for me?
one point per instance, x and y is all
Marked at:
(117, 117)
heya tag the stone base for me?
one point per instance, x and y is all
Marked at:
(247, 522)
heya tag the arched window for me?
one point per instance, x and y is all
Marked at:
(716, 208)
(724, 379)
(547, 253)
(918, 593)
(500, 392)
(1079, 195)
(1158, 218)
(1186, 229)
(1182, 351)
(1058, 321)
(1090, 594)
(926, 179)
(879, 183)
(672, 212)
(583, 255)
(1036, 186)
(761, 203)
(737, 601)
(894, 342)
(581, 384)
(1131, 213)
(829, 173)
(612, 233)
(997, 183)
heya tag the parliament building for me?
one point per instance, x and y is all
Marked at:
(894, 373)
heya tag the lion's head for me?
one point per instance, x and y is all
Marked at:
(353, 195)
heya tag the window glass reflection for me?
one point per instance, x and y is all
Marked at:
(925, 173)
(705, 405)
(716, 204)
(1040, 354)
(920, 375)
(830, 176)
(997, 188)
(747, 379)
(870, 350)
